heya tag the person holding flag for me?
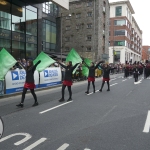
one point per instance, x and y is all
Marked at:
(67, 79)
(91, 75)
(29, 83)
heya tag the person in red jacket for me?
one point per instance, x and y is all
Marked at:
(29, 83)
(67, 80)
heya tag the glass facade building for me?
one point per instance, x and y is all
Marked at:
(25, 29)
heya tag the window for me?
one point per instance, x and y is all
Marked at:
(67, 39)
(120, 32)
(119, 11)
(89, 4)
(66, 49)
(119, 22)
(68, 17)
(117, 56)
(89, 25)
(78, 15)
(88, 49)
(77, 27)
(67, 27)
(89, 14)
(119, 43)
(89, 38)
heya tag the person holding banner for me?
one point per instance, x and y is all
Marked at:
(91, 76)
(29, 83)
(106, 76)
(67, 80)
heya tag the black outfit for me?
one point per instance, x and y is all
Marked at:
(91, 75)
(29, 79)
(126, 72)
(68, 77)
(106, 77)
(136, 73)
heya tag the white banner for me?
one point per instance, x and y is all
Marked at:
(50, 77)
(15, 80)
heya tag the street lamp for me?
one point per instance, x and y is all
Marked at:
(61, 32)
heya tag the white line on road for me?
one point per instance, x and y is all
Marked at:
(63, 147)
(42, 112)
(129, 93)
(113, 84)
(87, 149)
(124, 80)
(36, 144)
(113, 79)
(26, 138)
(147, 123)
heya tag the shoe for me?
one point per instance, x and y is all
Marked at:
(87, 92)
(108, 90)
(94, 91)
(20, 105)
(35, 104)
(61, 100)
(70, 99)
(100, 90)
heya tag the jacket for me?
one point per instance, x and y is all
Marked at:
(68, 71)
(106, 72)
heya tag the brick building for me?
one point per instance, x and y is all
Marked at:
(145, 53)
(125, 35)
(85, 27)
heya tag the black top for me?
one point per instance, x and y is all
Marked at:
(68, 71)
(30, 73)
(92, 69)
(106, 71)
(136, 70)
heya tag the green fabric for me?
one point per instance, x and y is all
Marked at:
(46, 61)
(6, 62)
(74, 57)
(85, 70)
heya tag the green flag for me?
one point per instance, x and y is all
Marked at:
(46, 61)
(74, 57)
(85, 70)
(6, 62)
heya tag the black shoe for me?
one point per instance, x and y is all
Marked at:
(70, 99)
(20, 105)
(61, 100)
(87, 92)
(108, 90)
(100, 90)
(35, 104)
(94, 91)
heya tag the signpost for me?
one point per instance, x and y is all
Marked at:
(1, 127)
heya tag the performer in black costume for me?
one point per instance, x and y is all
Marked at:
(91, 76)
(106, 76)
(67, 80)
(136, 72)
(29, 83)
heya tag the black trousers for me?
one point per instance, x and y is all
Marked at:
(88, 87)
(103, 85)
(63, 91)
(24, 93)
(136, 77)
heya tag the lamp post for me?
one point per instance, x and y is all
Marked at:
(61, 31)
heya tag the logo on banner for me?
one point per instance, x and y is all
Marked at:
(50, 73)
(18, 75)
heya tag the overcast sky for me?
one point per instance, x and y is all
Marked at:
(142, 16)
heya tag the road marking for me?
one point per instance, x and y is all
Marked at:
(124, 80)
(90, 93)
(147, 123)
(87, 149)
(129, 93)
(113, 84)
(36, 144)
(113, 79)
(130, 77)
(63, 147)
(27, 137)
(42, 112)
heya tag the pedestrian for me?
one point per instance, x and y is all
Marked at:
(24, 64)
(106, 76)
(67, 80)
(29, 83)
(91, 76)
(136, 72)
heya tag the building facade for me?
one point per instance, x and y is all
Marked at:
(125, 35)
(28, 27)
(85, 27)
(145, 53)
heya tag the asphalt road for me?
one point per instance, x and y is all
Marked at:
(115, 120)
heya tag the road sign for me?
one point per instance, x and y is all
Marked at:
(1, 127)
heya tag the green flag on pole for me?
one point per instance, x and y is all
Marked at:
(6, 62)
(85, 70)
(74, 57)
(46, 61)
